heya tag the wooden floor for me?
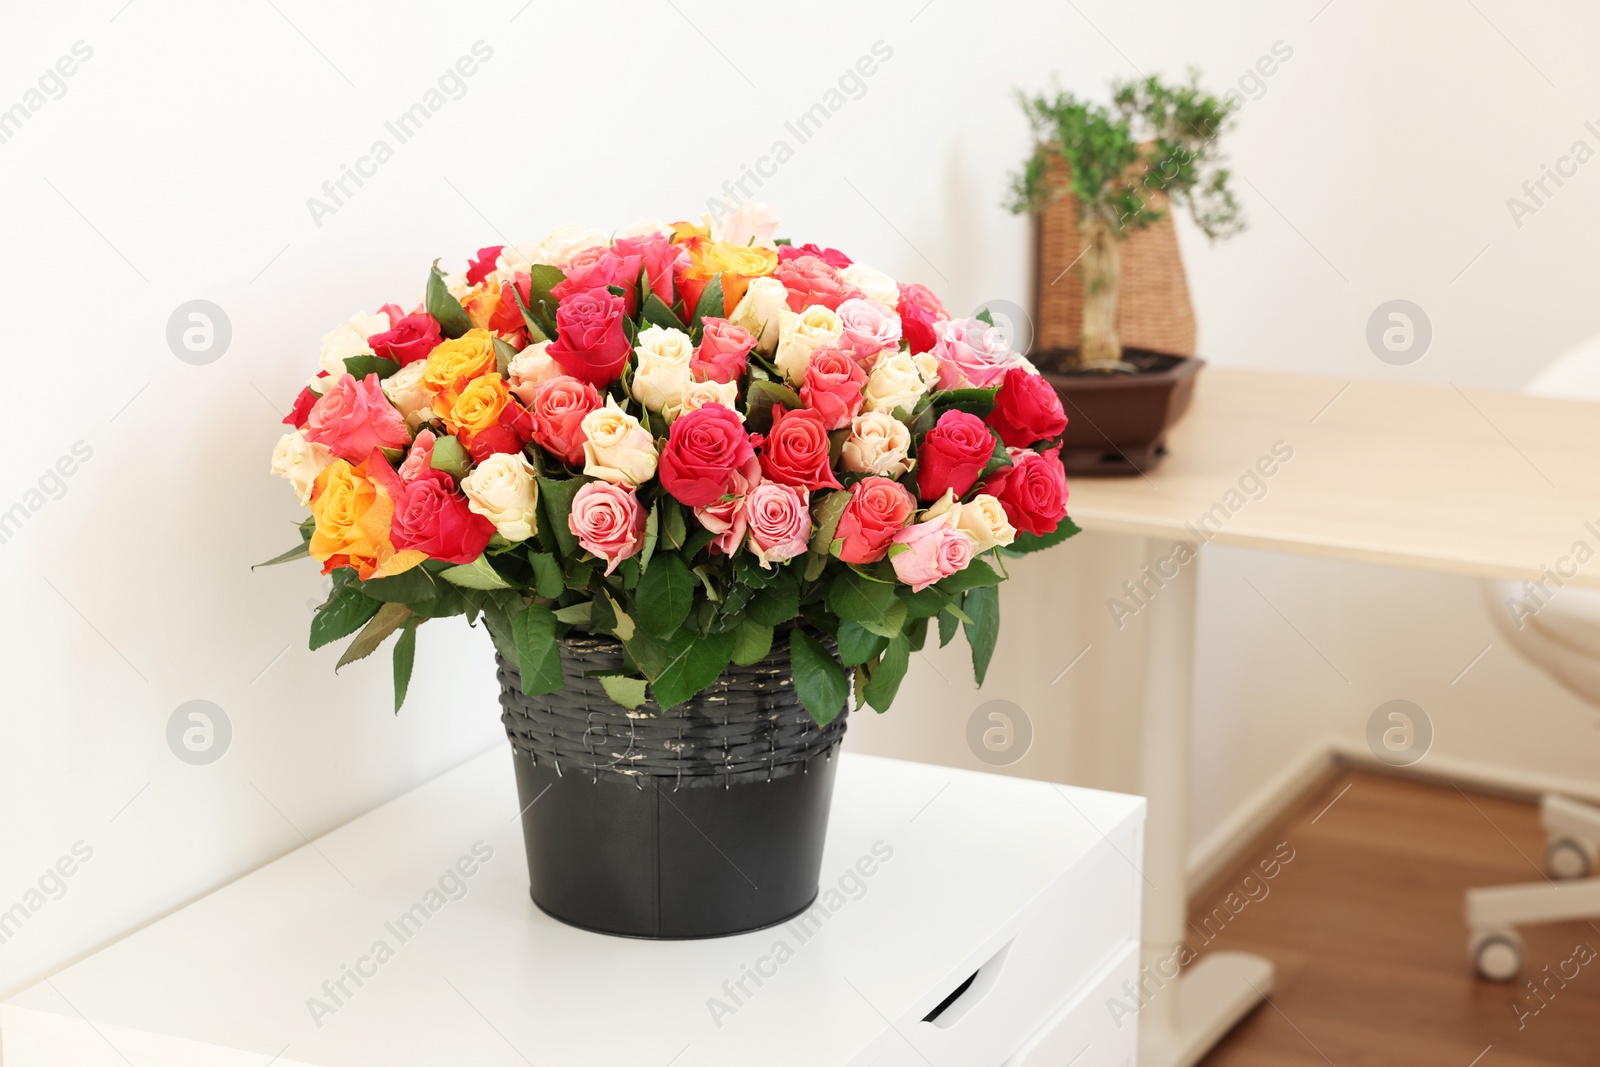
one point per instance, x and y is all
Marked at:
(1365, 926)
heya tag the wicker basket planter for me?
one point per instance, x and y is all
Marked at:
(701, 821)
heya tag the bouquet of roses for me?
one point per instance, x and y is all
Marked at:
(689, 437)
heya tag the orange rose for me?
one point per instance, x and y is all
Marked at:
(737, 264)
(477, 408)
(493, 308)
(352, 514)
(481, 304)
(452, 364)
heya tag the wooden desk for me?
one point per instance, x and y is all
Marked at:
(1434, 478)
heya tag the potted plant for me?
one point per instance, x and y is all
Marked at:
(1104, 174)
(706, 491)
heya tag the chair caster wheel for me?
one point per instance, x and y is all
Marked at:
(1568, 857)
(1497, 954)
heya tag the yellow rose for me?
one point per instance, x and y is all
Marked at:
(352, 514)
(477, 408)
(736, 264)
(480, 306)
(452, 364)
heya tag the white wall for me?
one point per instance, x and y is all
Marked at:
(177, 166)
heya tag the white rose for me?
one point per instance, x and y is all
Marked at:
(878, 443)
(645, 227)
(512, 258)
(349, 338)
(745, 224)
(300, 461)
(616, 447)
(529, 369)
(404, 390)
(564, 242)
(456, 285)
(982, 518)
(802, 334)
(874, 284)
(505, 490)
(698, 394)
(898, 380)
(758, 311)
(662, 372)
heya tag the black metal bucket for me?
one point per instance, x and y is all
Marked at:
(703, 821)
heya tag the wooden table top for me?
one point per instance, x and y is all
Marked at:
(1431, 477)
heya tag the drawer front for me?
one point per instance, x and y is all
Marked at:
(1085, 1032)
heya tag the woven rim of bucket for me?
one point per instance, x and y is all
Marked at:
(749, 725)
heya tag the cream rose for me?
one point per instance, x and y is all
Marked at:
(616, 448)
(349, 338)
(698, 394)
(878, 443)
(662, 371)
(898, 380)
(504, 489)
(300, 461)
(748, 223)
(564, 242)
(457, 285)
(645, 227)
(802, 334)
(982, 518)
(873, 284)
(529, 369)
(404, 390)
(763, 303)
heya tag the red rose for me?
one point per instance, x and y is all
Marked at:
(809, 281)
(432, 516)
(796, 451)
(394, 311)
(590, 342)
(723, 353)
(559, 406)
(408, 340)
(878, 509)
(1026, 409)
(480, 268)
(704, 447)
(1033, 490)
(658, 255)
(302, 406)
(831, 256)
(953, 455)
(919, 310)
(832, 387)
(597, 268)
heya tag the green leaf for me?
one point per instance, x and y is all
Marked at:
(778, 602)
(1027, 542)
(346, 611)
(819, 681)
(555, 497)
(547, 578)
(361, 366)
(405, 655)
(752, 641)
(760, 397)
(825, 512)
(976, 574)
(450, 601)
(657, 313)
(503, 355)
(666, 593)
(479, 574)
(917, 633)
(624, 689)
(407, 587)
(497, 608)
(542, 277)
(947, 627)
(890, 672)
(673, 530)
(533, 628)
(857, 644)
(691, 663)
(603, 617)
(449, 456)
(453, 321)
(575, 614)
(652, 533)
(710, 306)
(983, 606)
(873, 604)
(390, 617)
(300, 551)
(925, 604)
(535, 331)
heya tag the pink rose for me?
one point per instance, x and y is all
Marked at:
(779, 522)
(869, 328)
(919, 311)
(972, 354)
(558, 408)
(608, 521)
(433, 517)
(878, 509)
(411, 338)
(658, 255)
(934, 550)
(726, 517)
(597, 268)
(832, 387)
(591, 343)
(723, 353)
(811, 281)
(353, 418)
(831, 256)
(419, 460)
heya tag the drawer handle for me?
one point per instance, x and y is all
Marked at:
(963, 997)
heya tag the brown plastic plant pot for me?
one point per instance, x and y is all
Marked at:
(1117, 423)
